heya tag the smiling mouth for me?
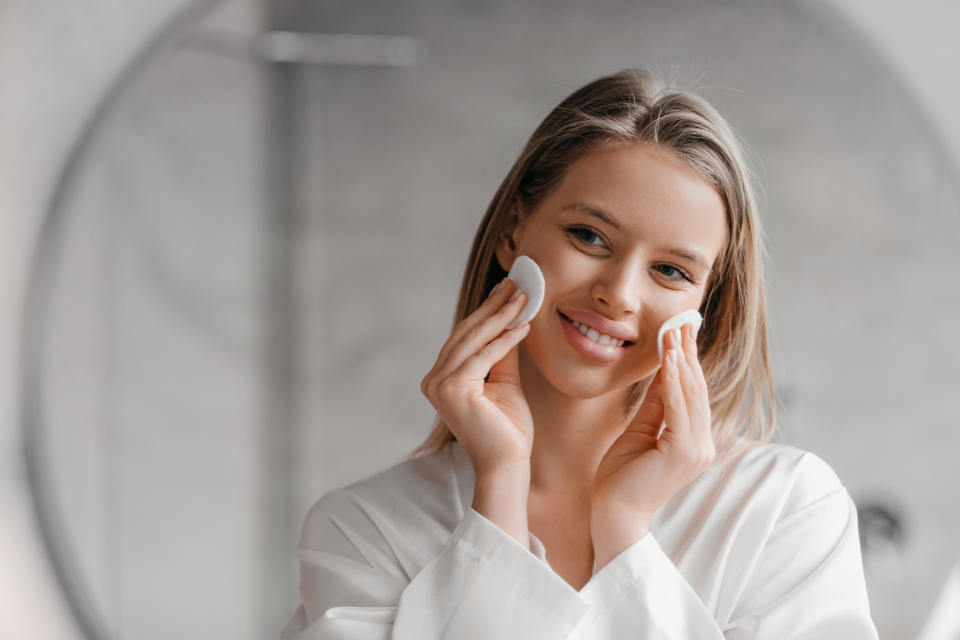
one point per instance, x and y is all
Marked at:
(626, 343)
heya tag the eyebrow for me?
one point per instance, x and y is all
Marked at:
(602, 215)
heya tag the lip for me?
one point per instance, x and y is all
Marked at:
(601, 324)
(587, 347)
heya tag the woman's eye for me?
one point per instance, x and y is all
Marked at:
(679, 273)
(589, 236)
(584, 234)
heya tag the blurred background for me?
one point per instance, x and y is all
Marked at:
(233, 233)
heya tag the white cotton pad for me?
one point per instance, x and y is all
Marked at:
(677, 321)
(527, 276)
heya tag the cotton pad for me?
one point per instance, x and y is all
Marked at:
(527, 276)
(676, 322)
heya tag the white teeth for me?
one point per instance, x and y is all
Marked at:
(596, 336)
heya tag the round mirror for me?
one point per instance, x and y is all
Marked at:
(256, 250)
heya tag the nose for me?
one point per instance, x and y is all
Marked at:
(619, 289)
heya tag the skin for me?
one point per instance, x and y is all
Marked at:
(591, 480)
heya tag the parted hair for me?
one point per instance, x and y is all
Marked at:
(628, 107)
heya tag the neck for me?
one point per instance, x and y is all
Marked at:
(571, 435)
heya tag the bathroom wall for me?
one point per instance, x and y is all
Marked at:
(52, 74)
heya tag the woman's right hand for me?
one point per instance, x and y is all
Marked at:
(491, 420)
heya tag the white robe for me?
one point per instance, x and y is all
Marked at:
(765, 546)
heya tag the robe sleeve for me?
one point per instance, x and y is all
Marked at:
(806, 580)
(482, 584)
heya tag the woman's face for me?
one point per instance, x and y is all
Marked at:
(627, 238)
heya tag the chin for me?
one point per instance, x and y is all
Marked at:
(583, 390)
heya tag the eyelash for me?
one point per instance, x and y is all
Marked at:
(575, 229)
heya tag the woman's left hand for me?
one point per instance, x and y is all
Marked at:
(641, 472)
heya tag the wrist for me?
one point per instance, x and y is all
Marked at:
(506, 469)
(613, 531)
(501, 497)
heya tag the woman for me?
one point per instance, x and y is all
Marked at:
(543, 504)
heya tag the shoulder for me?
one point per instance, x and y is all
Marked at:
(766, 492)
(416, 495)
(789, 477)
(795, 543)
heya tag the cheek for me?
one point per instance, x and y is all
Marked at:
(568, 279)
(546, 325)
(644, 361)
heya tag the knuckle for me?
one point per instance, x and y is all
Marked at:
(673, 375)
(696, 394)
(673, 400)
(472, 334)
(458, 328)
(445, 387)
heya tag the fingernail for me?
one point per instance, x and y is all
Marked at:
(672, 356)
(498, 286)
(516, 294)
(676, 336)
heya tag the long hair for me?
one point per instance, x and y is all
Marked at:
(632, 106)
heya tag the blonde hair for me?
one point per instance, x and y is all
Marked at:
(631, 107)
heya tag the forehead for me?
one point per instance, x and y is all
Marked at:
(649, 191)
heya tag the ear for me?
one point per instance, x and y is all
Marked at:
(506, 247)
